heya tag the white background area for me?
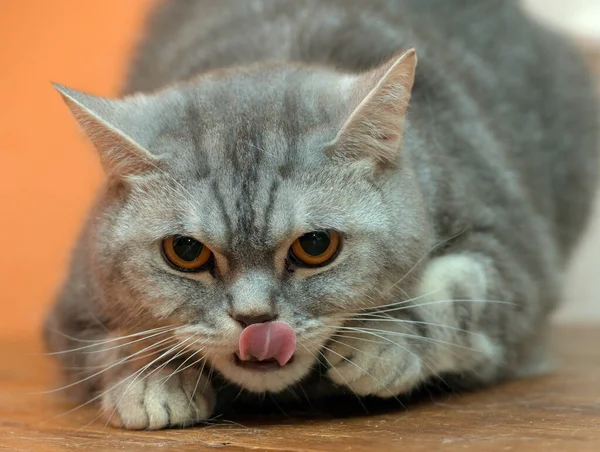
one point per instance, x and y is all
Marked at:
(581, 19)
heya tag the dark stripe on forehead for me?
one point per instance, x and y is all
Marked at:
(292, 125)
(194, 126)
(221, 202)
(269, 210)
(238, 147)
(230, 147)
(245, 203)
(249, 156)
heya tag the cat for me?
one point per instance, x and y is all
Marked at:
(289, 191)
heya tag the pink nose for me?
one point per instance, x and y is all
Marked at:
(268, 340)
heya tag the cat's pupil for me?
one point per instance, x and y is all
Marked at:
(315, 243)
(187, 248)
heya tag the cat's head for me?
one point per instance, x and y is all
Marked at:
(251, 195)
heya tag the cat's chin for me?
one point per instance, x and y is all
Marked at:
(264, 378)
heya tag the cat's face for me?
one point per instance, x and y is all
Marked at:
(251, 203)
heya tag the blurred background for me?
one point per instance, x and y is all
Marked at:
(49, 174)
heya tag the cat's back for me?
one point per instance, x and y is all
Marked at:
(185, 37)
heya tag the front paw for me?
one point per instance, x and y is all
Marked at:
(379, 363)
(158, 400)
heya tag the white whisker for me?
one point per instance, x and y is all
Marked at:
(375, 318)
(407, 335)
(428, 303)
(377, 309)
(181, 367)
(97, 343)
(193, 394)
(353, 348)
(121, 361)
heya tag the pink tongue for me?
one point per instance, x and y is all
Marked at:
(267, 341)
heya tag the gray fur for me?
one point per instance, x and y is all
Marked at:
(468, 229)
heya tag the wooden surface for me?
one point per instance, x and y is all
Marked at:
(560, 412)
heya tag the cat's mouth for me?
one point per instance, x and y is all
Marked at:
(265, 365)
(266, 346)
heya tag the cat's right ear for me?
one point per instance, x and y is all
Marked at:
(111, 127)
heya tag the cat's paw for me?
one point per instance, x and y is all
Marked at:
(380, 364)
(159, 400)
(390, 356)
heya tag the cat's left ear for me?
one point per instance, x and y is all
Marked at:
(119, 129)
(375, 127)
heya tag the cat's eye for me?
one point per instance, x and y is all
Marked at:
(316, 248)
(186, 253)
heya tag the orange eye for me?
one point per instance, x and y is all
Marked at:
(315, 249)
(186, 253)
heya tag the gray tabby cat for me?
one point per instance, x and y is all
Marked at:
(286, 186)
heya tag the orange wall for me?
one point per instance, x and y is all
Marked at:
(48, 173)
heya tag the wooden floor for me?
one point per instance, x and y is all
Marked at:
(560, 412)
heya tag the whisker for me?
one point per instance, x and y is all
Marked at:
(197, 382)
(77, 339)
(179, 368)
(145, 338)
(412, 336)
(341, 376)
(107, 341)
(374, 318)
(121, 361)
(356, 337)
(239, 394)
(293, 393)
(466, 300)
(130, 360)
(311, 353)
(209, 378)
(376, 309)
(354, 348)
(305, 394)
(278, 406)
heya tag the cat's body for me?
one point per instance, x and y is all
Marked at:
(473, 215)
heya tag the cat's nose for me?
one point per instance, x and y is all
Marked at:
(247, 319)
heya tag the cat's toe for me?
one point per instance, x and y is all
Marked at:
(360, 365)
(158, 401)
(404, 380)
(393, 374)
